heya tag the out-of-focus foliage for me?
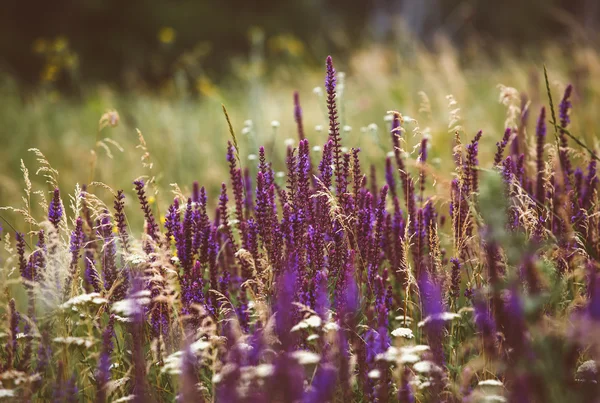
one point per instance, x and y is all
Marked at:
(145, 41)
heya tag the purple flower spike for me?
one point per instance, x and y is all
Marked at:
(334, 125)
(565, 107)
(323, 385)
(540, 134)
(472, 163)
(486, 325)
(104, 362)
(55, 210)
(455, 278)
(501, 145)
(77, 238)
(433, 307)
(298, 116)
(119, 206)
(151, 226)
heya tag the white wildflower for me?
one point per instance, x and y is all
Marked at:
(129, 306)
(127, 398)
(199, 346)
(403, 332)
(275, 123)
(306, 357)
(252, 157)
(6, 393)
(444, 316)
(426, 366)
(419, 348)
(390, 355)
(264, 370)
(424, 385)
(93, 298)
(408, 358)
(494, 398)
(173, 363)
(490, 382)
(78, 341)
(331, 326)
(374, 374)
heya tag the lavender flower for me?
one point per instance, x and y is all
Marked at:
(563, 113)
(55, 210)
(455, 278)
(104, 362)
(119, 206)
(77, 238)
(11, 345)
(501, 146)
(334, 126)
(151, 225)
(471, 163)
(486, 326)
(298, 116)
(540, 135)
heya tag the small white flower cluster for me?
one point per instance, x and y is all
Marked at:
(248, 125)
(16, 377)
(124, 399)
(91, 298)
(173, 363)
(315, 322)
(132, 305)
(312, 321)
(77, 341)
(403, 355)
(248, 375)
(305, 357)
(403, 332)
(444, 316)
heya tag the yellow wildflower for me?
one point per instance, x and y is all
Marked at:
(166, 35)
(50, 73)
(205, 87)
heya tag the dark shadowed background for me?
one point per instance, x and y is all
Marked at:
(143, 41)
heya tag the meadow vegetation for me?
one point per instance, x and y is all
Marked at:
(422, 227)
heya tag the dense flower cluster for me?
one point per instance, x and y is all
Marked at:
(328, 286)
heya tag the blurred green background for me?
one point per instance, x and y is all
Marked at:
(167, 66)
